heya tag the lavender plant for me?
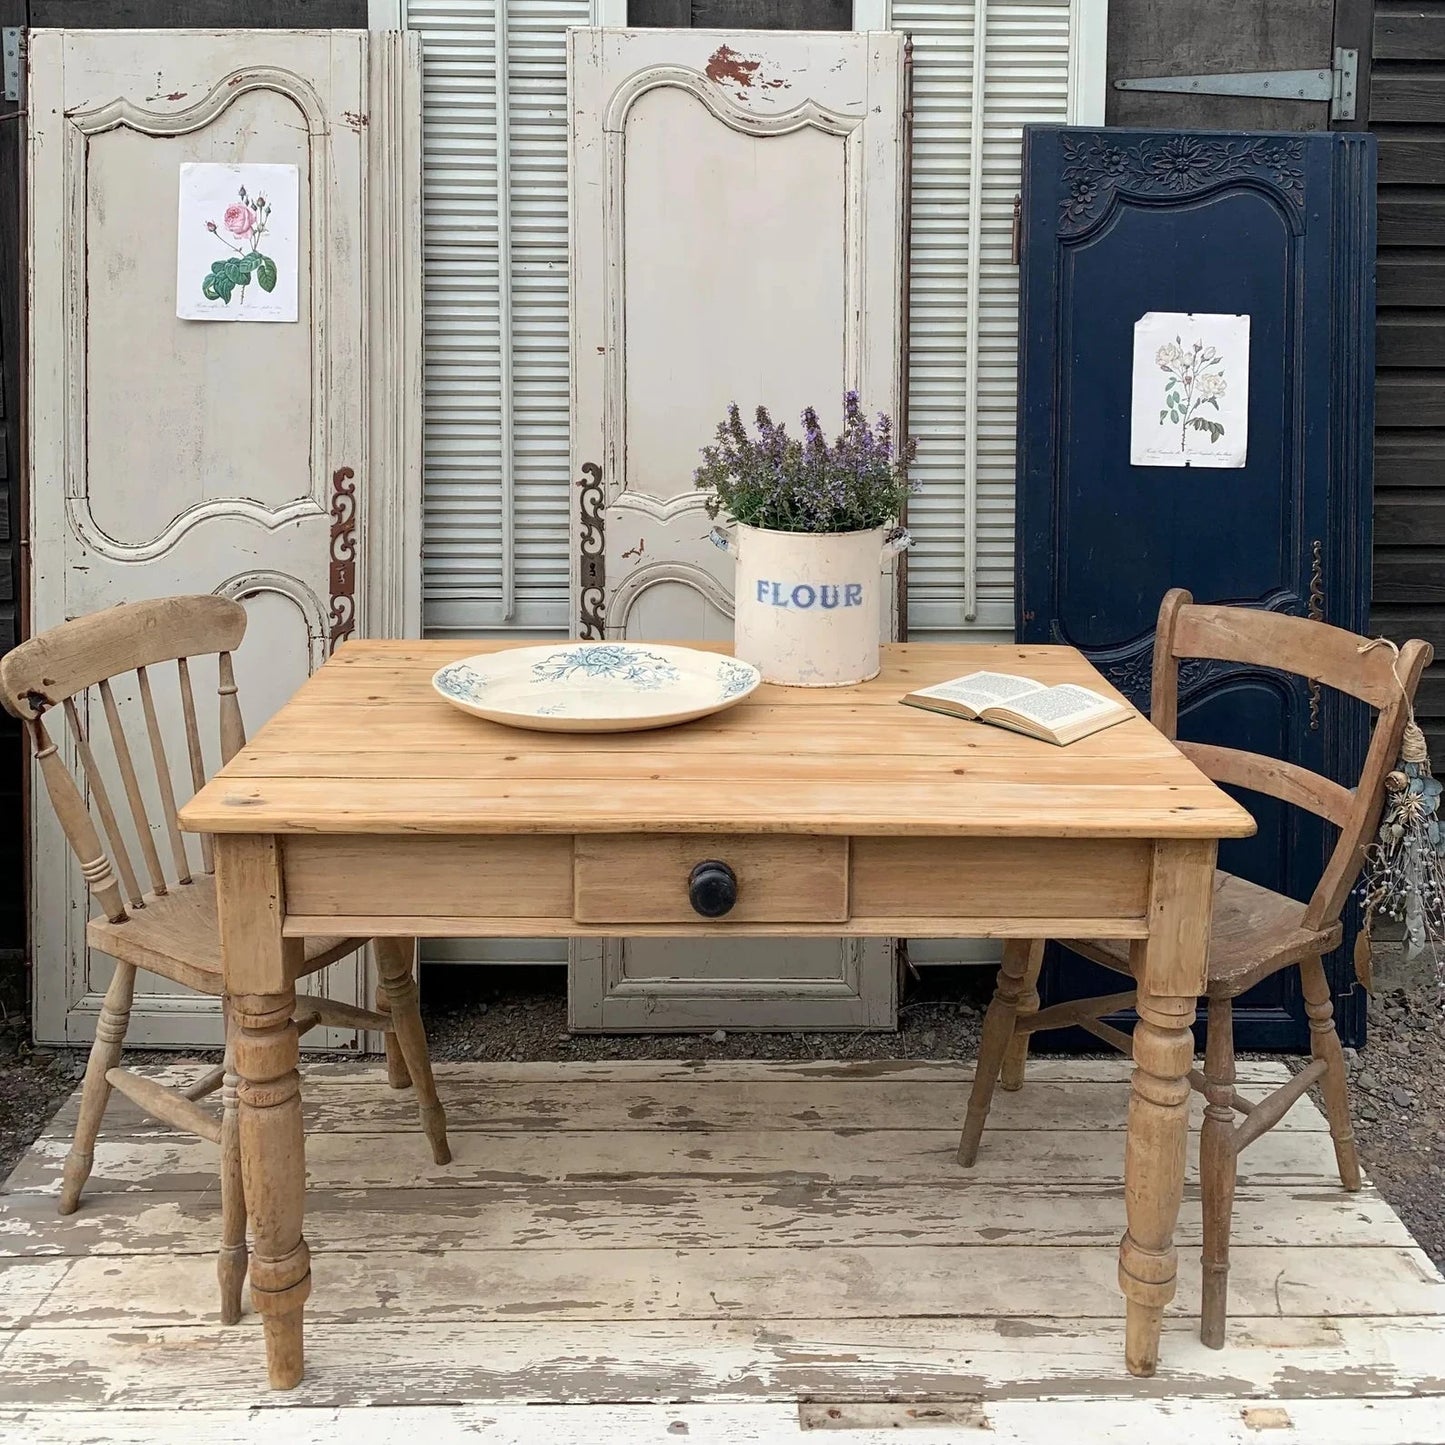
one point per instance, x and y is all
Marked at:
(804, 484)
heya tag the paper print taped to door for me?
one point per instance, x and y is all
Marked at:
(1191, 390)
(237, 246)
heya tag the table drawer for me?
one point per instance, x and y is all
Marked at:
(647, 878)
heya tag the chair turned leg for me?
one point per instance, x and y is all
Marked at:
(397, 1074)
(998, 1032)
(1217, 1164)
(95, 1092)
(1016, 1055)
(232, 1261)
(394, 963)
(1325, 1044)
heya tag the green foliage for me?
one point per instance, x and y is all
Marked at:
(234, 271)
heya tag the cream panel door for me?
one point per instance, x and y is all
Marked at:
(736, 236)
(247, 460)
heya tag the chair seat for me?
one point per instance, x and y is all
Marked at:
(1254, 932)
(177, 935)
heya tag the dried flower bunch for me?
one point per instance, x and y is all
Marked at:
(804, 484)
(1405, 865)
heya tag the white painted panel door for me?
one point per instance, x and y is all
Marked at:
(248, 460)
(736, 236)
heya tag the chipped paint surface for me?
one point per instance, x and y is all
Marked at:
(822, 1247)
(727, 67)
(1265, 1417)
(725, 64)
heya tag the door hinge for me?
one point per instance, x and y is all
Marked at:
(1316, 613)
(1336, 85)
(12, 51)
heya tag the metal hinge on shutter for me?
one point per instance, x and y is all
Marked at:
(12, 51)
(1336, 85)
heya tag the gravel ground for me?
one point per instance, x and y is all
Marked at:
(517, 1013)
(1397, 1096)
(522, 1014)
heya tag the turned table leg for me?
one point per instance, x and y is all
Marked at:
(1170, 968)
(1154, 1171)
(260, 970)
(273, 1168)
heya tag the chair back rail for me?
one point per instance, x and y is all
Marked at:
(1286, 781)
(1308, 649)
(60, 665)
(1289, 644)
(78, 654)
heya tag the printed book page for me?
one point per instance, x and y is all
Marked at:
(1063, 704)
(983, 689)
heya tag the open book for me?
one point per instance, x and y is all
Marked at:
(1061, 714)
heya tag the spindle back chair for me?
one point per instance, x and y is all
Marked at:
(164, 920)
(1254, 932)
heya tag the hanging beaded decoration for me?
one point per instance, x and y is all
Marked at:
(1404, 874)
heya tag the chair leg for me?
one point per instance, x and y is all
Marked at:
(394, 963)
(1325, 1044)
(1016, 1055)
(397, 1074)
(1217, 1165)
(233, 1259)
(95, 1092)
(998, 1032)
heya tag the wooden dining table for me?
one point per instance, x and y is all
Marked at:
(369, 807)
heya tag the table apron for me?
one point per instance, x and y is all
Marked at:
(555, 885)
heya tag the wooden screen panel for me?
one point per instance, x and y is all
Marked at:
(198, 14)
(741, 14)
(1406, 111)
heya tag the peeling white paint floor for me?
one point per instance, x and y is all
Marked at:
(725, 1252)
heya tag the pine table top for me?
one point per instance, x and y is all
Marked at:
(366, 746)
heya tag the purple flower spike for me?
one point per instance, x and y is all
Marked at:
(806, 485)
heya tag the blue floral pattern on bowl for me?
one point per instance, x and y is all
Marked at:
(461, 679)
(644, 670)
(736, 677)
(585, 687)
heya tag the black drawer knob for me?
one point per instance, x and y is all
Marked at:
(713, 888)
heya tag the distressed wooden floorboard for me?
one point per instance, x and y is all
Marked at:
(740, 1237)
(856, 1156)
(629, 1073)
(357, 1106)
(395, 1361)
(625, 1216)
(821, 1282)
(1006, 1422)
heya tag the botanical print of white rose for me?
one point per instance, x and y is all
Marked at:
(1195, 380)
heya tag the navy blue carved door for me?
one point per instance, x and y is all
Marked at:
(1280, 228)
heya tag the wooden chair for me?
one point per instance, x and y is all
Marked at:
(1255, 932)
(170, 927)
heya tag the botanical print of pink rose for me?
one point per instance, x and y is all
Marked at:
(247, 220)
(239, 219)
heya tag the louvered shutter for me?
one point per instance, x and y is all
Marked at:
(495, 319)
(497, 486)
(970, 105)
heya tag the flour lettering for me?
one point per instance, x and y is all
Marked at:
(803, 596)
